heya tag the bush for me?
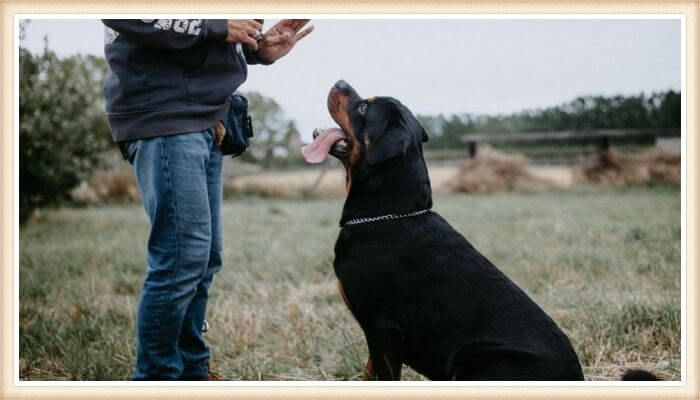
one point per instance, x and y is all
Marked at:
(62, 125)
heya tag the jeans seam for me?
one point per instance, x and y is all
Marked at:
(176, 267)
(195, 367)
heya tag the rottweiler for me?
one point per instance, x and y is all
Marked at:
(422, 294)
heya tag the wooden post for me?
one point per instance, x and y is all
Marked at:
(472, 149)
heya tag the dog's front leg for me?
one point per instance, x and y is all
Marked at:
(388, 368)
(384, 362)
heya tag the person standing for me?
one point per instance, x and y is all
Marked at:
(166, 89)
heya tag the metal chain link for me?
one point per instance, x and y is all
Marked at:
(384, 217)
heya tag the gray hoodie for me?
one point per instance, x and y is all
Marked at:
(170, 76)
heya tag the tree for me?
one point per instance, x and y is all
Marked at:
(274, 134)
(62, 125)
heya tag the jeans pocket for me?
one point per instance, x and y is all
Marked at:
(128, 149)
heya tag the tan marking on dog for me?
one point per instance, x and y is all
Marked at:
(371, 100)
(370, 375)
(337, 104)
(369, 371)
(342, 293)
(350, 163)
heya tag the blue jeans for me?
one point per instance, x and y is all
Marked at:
(180, 181)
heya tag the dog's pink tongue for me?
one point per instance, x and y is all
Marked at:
(317, 151)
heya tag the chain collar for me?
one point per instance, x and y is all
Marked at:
(384, 217)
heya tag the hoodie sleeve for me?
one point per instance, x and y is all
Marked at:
(169, 33)
(251, 57)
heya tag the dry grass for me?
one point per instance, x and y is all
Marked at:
(613, 169)
(115, 186)
(492, 171)
(605, 264)
(289, 184)
(664, 166)
(302, 183)
(119, 185)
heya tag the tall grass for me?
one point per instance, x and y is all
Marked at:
(605, 264)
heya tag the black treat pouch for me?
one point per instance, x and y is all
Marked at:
(239, 127)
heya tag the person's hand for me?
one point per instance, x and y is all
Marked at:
(244, 31)
(280, 39)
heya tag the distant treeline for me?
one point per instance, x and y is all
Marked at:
(658, 110)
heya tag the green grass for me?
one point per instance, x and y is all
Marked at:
(605, 264)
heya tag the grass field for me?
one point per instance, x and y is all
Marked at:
(605, 264)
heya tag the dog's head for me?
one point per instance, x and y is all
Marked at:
(372, 131)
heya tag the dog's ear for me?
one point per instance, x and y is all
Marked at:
(424, 137)
(392, 142)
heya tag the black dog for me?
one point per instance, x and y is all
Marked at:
(423, 295)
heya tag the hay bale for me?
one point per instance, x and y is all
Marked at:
(664, 166)
(492, 171)
(613, 169)
(83, 194)
(115, 186)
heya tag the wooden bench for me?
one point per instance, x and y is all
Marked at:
(602, 135)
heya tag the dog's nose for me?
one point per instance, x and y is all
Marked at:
(341, 85)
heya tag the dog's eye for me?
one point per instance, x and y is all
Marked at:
(362, 108)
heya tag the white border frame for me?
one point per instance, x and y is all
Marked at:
(553, 16)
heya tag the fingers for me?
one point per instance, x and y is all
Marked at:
(252, 32)
(277, 39)
(246, 40)
(298, 24)
(304, 33)
(255, 24)
(241, 23)
(294, 24)
(243, 38)
(250, 42)
(244, 31)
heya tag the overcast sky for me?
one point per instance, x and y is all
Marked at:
(445, 66)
